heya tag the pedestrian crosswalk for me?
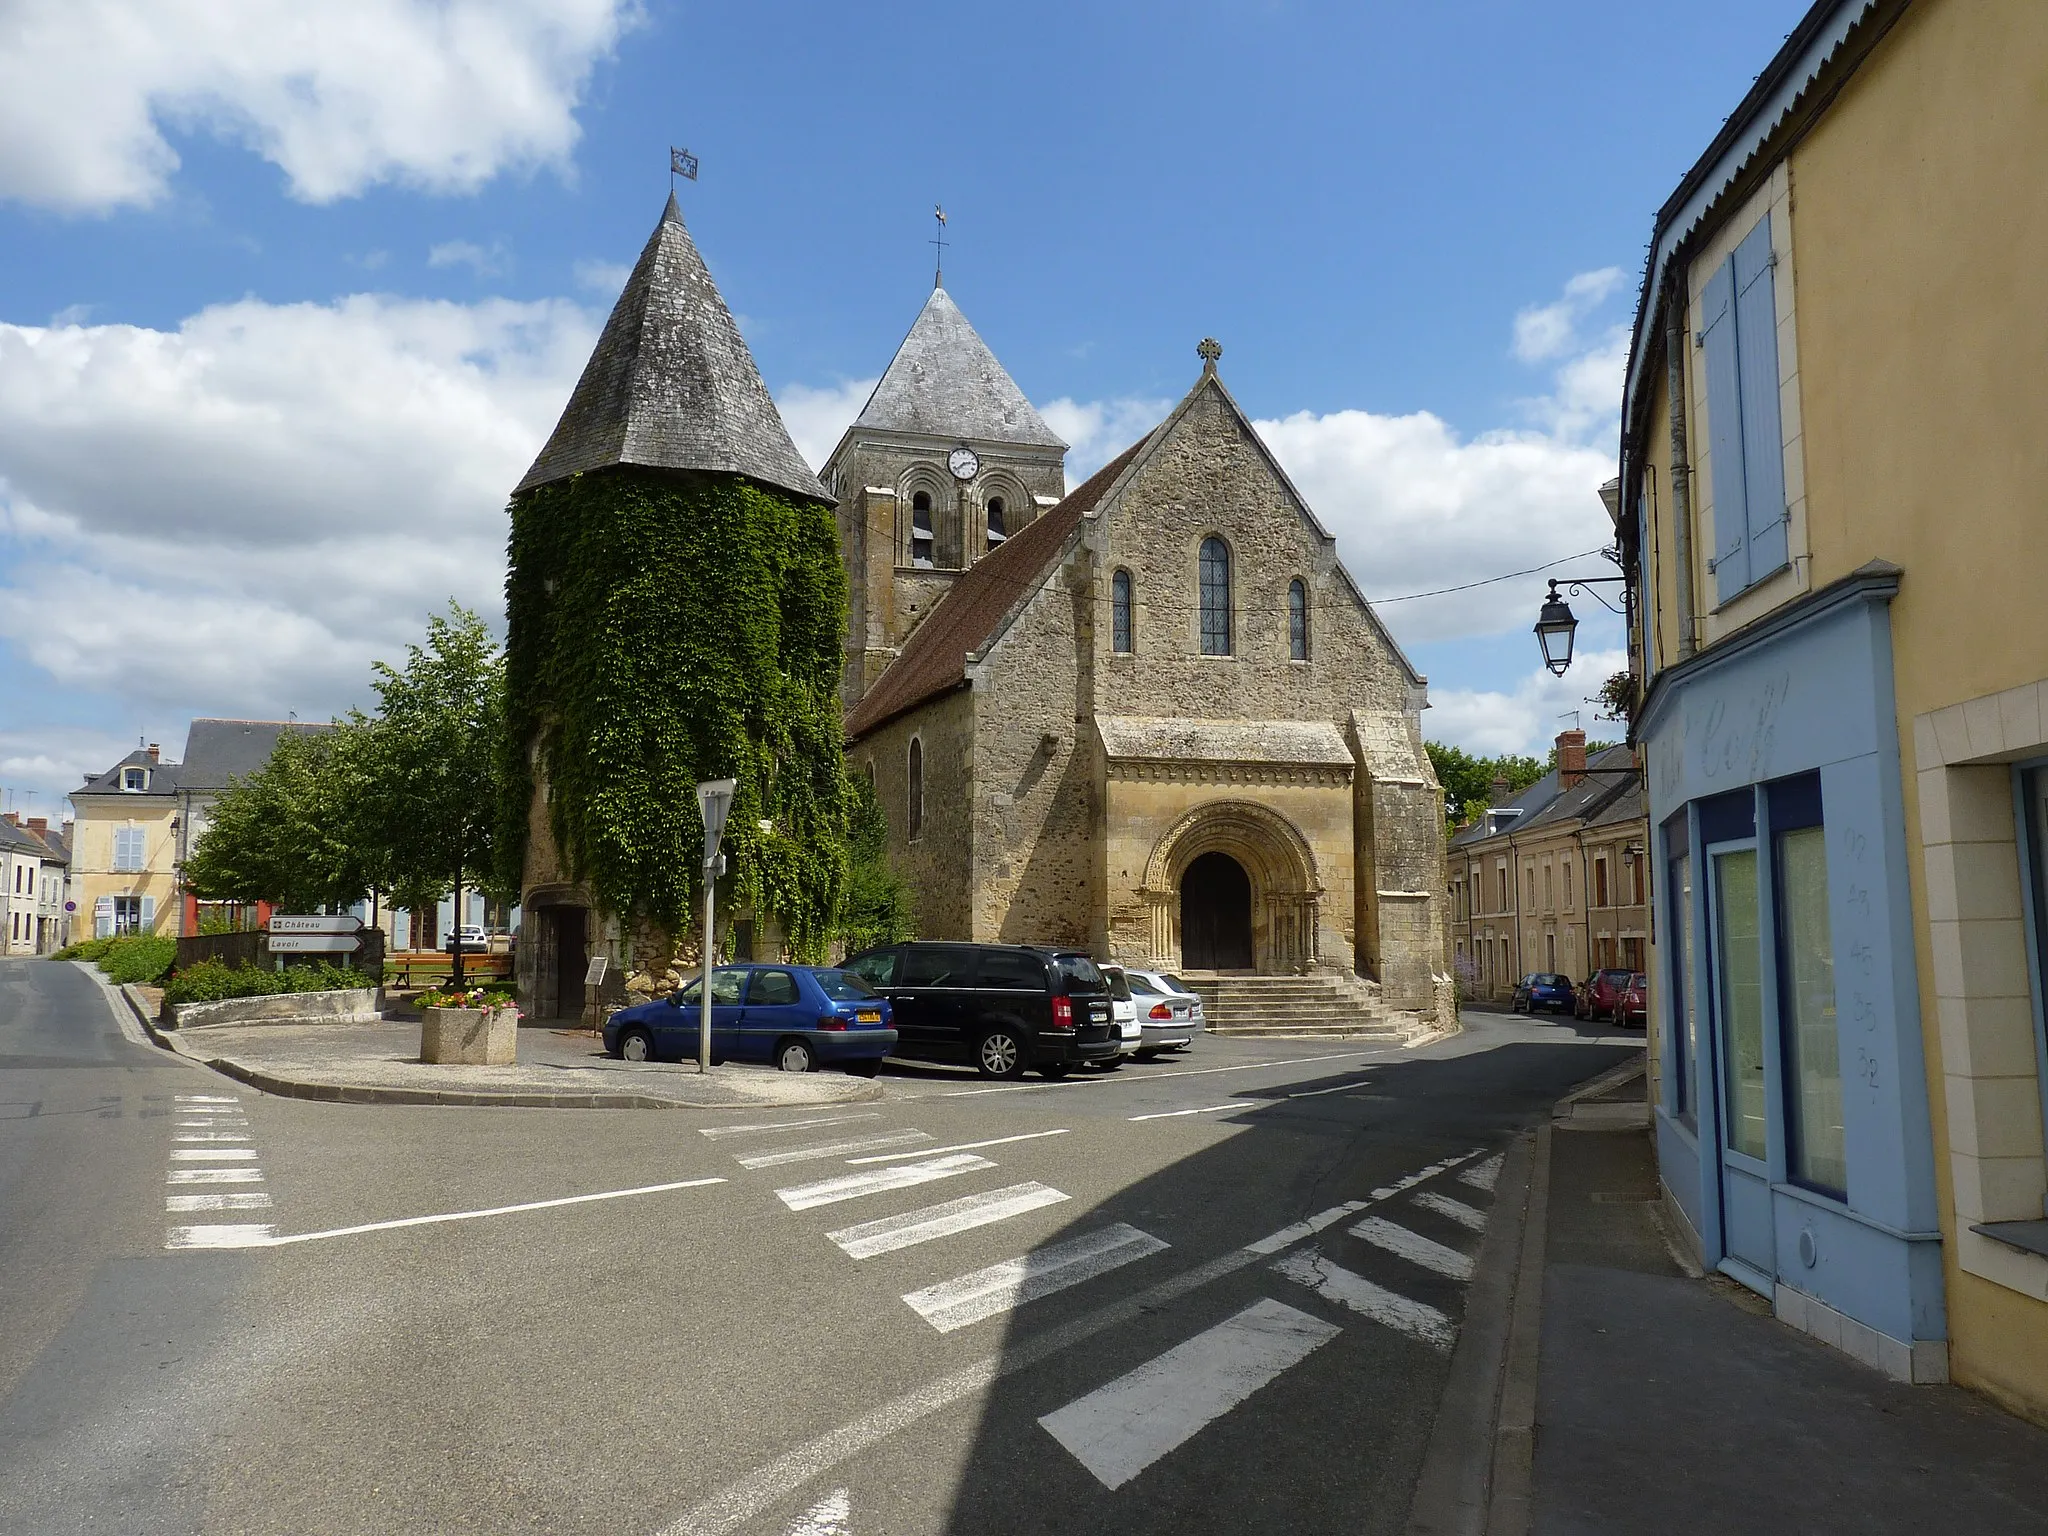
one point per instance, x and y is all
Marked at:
(209, 1132)
(1393, 1261)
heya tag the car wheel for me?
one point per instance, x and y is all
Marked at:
(999, 1054)
(636, 1045)
(795, 1056)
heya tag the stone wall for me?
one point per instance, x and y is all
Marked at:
(937, 862)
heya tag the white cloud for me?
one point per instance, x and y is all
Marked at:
(467, 253)
(1098, 430)
(1526, 718)
(40, 765)
(603, 278)
(241, 514)
(818, 418)
(339, 94)
(1549, 331)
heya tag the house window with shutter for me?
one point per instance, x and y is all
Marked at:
(1738, 332)
(130, 849)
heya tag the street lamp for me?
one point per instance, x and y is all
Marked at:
(714, 800)
(1555, 627)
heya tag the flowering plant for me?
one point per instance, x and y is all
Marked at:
(469, 997)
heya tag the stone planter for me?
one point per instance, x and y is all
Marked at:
(469, 1037)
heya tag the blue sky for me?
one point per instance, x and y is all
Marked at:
(289, 293)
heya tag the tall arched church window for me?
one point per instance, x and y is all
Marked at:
(916, 786)
(1297, 620)
(1215, 591)
(998, 528)
(921, 538)
(1120, 627)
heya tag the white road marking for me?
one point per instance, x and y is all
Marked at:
(240, 1235)
(1119, 1430)
(1395, 1311)
(786, 1125)
(1414, 1247)
(1317, 1093)
(955, 1303)
(1154, 1077)
(220, 1098)
(214, 1155)
(236, 1123)
(935, 1221)
(1483, 1175)
(227, 1200)
(1457, 1210)
(965, 1146)
(829, 1149)
(496, 1210)
(830, 1516)
(1064, 1082)
(772, 1482)
(1207, 1109)
(850, 1186)
(214, 1176)
(198, 1136)
(1287, 1236)
(209, 1111)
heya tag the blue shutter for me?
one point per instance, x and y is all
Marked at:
(148, 914)
(1763, 438)
(1724, 434)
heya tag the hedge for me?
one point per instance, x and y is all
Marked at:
(209, 981)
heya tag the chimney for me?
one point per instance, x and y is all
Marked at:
(1501, 793)
(40, 825)
(1571, 759)
(153, 758)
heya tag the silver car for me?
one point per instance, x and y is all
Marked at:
(1169, 1012)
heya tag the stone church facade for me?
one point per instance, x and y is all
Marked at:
(1154, 717)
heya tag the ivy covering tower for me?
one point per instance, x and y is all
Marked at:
(676, 605)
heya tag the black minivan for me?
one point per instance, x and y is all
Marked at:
(1003, 1007)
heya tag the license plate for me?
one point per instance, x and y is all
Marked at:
(869, 1015)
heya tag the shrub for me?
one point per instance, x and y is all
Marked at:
(84, 949)
(472, 997)
(141, 958)
(211, 981)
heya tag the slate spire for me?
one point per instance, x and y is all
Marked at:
(944, 382)
(672, 385)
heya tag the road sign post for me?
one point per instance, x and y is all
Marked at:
(312, 943)
(714, 799)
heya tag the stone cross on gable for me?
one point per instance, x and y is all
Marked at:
(1209, 351)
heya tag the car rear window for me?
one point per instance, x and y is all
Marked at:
(1010, 970)
(842, 987)
(1143, 987)
(1119, 983)
(1079, 973)
(1176, 983)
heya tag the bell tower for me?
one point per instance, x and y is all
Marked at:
(946, 461)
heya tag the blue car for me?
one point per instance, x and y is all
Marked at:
(1544, 989)
(797, 1017)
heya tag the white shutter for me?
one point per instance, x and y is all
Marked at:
(148, 914)
(103, 918)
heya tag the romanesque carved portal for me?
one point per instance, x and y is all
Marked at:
(1232, 886)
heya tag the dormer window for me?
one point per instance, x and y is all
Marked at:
(997, 529)
(921, 537)
(134, 780)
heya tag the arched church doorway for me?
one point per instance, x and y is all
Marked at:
(1216, 914)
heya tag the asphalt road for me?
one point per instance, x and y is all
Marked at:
(1209, 1293)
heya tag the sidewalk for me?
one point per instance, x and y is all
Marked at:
(379, 1064)
(1676, 1405)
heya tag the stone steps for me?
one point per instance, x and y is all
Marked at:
(1317, 1004)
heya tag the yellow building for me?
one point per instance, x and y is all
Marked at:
(1845, 686)
(124, 848)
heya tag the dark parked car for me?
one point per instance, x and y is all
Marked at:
(1003, 1007)
(797, 1016)
(1634, 1011)
(1600, 997)
(1544, 989)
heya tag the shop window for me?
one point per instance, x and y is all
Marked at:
(2033, 823)
(1215, 597)
(1683, 1014)
(1738, 966)
(1123, 636)
(1297, 620)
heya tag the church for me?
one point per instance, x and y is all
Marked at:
(1154, 716)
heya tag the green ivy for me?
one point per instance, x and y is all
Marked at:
(666, 628)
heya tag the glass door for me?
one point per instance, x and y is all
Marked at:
(1736, 941)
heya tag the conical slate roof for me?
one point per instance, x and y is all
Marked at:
(944, 382)
(671, 384)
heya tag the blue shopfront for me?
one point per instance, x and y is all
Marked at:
(1791, 1113)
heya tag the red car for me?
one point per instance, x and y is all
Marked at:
(1634, 1011)
(1600, 997)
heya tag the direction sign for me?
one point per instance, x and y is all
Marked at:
(343, 923)
(312, 943)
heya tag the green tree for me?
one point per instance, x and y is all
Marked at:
(1468, 778)
(430, 768)
(875, 906)
(288, 833)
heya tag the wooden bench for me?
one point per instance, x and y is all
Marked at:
(434, 968)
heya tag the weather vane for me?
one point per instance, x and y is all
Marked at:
(939, 264)
(680, 163)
